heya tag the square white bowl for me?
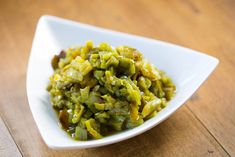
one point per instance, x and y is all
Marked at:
(188, 69)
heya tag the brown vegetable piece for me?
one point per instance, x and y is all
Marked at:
(55, 60)
(62, 54)
(63, 117)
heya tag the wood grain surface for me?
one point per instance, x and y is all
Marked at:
(7, 145)
(204, 126)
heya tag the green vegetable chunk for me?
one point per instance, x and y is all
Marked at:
(80, 133)
(151, 107)
(93, 128)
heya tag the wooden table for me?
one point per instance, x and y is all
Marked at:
(204, 126)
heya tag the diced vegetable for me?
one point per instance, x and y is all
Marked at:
(98, 90)
(93, 128)
(80, 133)
(151, 107)
(78, 111)
(64, 118)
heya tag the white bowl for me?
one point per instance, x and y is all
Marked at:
(188, 69)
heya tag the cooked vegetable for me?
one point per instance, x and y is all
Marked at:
(80, 133)
(99, 90)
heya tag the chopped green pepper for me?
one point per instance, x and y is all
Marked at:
(98, 90)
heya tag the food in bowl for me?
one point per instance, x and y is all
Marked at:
(100, 90)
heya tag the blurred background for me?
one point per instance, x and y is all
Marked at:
(204, 126)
